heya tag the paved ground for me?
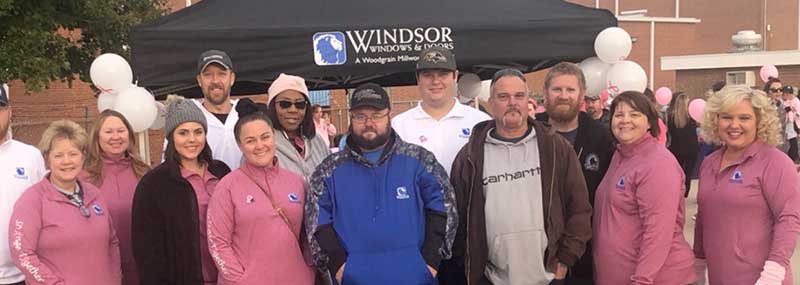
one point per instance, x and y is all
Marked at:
(691, 209)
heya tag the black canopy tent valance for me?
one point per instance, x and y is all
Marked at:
(343, 43)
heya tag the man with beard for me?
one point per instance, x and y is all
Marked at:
(564, 90)
(522, 202)
(594, 107)
(381, 210)
(215, 77)
(439, 123)
(21, 166)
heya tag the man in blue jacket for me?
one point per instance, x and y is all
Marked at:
(381, 211)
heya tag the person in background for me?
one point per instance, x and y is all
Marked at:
(21, 166)
(594, 107)
(324, 128)
(255, 216)
(774, 89)
(639, 210)
(748, 205)
(380, 211)
(792, 107)
(662, 137)
(113, 166)
(682, 131)
(299, 147)
(169, 233)
(61, 232)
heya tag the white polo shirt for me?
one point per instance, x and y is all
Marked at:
(21, 166)
(445, 137)
(220, 136)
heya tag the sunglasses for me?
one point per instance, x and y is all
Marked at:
(775, 90)
(300, 105)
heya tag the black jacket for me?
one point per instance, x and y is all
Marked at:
(165, 226)
(594, 146)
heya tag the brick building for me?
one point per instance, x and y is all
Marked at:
(667, 34)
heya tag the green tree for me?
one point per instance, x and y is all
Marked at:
(47, 40)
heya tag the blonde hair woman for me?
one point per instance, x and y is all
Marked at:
(748, 208)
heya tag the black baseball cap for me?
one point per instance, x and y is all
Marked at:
(370, 94)
(3, 95)
(213, 56)
(787, 89)
(436, 58)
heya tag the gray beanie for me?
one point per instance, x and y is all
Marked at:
(180, 111)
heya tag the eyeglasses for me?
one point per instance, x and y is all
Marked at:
(300, 105)
(775, 90)
(361, 118)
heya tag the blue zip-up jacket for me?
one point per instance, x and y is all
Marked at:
(387, 220)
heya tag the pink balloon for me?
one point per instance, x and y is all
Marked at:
(696, 109)
(663, 95)
(768, 71)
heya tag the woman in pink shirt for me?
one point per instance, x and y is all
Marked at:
(60, 230)
(639, 211)
(169, 206)
(113, 166)
(748, 209)
(256, 213)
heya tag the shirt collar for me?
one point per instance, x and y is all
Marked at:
(207, 175)
(457, 111)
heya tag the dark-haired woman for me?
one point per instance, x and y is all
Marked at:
(682, 131)
(256, 213)
(298, 146)
(639, 211)
(169, 207)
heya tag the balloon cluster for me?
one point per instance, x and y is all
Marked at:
(609, 73)
(113, 76)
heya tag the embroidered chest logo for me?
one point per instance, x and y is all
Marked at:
(97, 210)
(293, 198)
(423, 138)
(465, 132)
(20, 173)
(402, 193)
(621, 184)
(592, 162)
(737, 177)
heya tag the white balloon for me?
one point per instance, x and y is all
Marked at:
(105, 101)
(161, 117)
(626, 76)
(469, 87)
(138, 106)
(111, 73)
(613, 45)
(594, 70)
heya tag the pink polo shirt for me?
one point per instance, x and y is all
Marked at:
(747, 213)
(203, 188)
(638, 219)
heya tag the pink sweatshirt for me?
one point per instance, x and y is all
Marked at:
(747, 213)
(249, 241)
(638, 219)
(203, 188)
(117, 187)
(53, 243)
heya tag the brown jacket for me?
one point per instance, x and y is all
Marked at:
(567, 214)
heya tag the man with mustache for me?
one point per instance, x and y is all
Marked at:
(381, 210)
(524, 214)
(594, 107)
(564, 91)
(439, 123)
(215, 77)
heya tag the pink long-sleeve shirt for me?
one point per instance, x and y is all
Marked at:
(53, 243)
(638, 219)
(117, 187)
(249, 241)
(203, 187)
(747, 213)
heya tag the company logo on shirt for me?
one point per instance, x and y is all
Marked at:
(465, 132)
(621, 184)
(737, 177)
(293, 198)
(402, 193)
(20, 173)
(97, 210)
(592, 162)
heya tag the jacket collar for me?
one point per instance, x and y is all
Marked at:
(52, 193)
(644, 144)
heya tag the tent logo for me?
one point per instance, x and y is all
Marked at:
(329, 48)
